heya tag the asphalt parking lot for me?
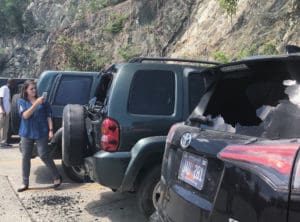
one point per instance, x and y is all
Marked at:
(71, 202)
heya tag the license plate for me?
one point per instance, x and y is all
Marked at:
(192, 170)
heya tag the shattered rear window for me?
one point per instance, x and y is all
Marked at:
(262, 100)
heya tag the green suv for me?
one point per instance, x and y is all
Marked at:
(118, 139)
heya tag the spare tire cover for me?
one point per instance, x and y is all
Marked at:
(15, 119)
(74, 136)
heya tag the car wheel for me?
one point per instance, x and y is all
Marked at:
(14, 115)
(147, 191)
(156, 195)
(76, 173)
(74, 136)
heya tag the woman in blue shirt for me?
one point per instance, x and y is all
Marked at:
(36, 126)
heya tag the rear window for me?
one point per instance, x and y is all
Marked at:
(261, 101)
(152, 92)
(73, 90)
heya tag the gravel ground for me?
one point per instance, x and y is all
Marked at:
(71, 202)
(80, 206)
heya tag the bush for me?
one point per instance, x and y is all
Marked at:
(230, 6)
(221, 57)
(246, 52)
(96, 5)
(81, 56)
(117, 23)
(128, 52)
(268, 48)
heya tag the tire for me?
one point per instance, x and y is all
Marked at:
(154, 217)
(74, 136)
(76, 173)
(14, 117)
(145, 193)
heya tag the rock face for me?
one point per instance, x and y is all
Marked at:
(116, 30)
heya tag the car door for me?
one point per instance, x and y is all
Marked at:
(69, 89)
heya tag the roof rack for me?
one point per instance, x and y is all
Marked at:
(141, 59)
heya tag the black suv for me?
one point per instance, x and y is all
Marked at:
(236, 158)
(119, 138)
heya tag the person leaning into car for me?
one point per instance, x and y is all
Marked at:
(36, 126)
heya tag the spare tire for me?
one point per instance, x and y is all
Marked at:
(74, 136)
(15, 119)
(76, 173)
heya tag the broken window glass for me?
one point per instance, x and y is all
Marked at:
(258, 105)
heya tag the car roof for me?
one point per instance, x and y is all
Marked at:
(245, 63)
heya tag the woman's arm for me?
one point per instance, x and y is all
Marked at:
(28, 113)
(50, 125)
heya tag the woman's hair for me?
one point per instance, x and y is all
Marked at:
(24, 88)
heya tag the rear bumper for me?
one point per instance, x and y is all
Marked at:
(175, 205)
(107, 168)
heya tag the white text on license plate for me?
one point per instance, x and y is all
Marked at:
(192, 170)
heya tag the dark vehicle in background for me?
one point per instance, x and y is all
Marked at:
(236, 158)
(119, 138)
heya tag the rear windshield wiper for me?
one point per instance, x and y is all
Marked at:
(201, 120)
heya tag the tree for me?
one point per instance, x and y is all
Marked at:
(11, 12)
(230, 6)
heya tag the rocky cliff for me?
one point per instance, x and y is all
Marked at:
(87, 35)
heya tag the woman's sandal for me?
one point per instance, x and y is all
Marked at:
(23, 188)
(55, 185)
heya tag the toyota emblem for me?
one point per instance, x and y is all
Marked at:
(185, 140)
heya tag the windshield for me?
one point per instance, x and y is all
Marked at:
(262, 99)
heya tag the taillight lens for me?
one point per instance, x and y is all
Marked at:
(272, 161)
(296, 175)
(171, 133)
(110, 135)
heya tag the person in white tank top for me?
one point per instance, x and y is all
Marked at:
(5, 106)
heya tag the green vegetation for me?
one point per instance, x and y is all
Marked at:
(2, 51)
(128, 52)
(81, 56)
(246, 52)
(220, 56)
(117, 23)
(73, 9)
(268, 48)
(230, 6)
(96, 5)
(11, 12)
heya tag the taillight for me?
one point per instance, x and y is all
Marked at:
(272, 161)
(110, 135)
(296, 175)
(171, 133)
